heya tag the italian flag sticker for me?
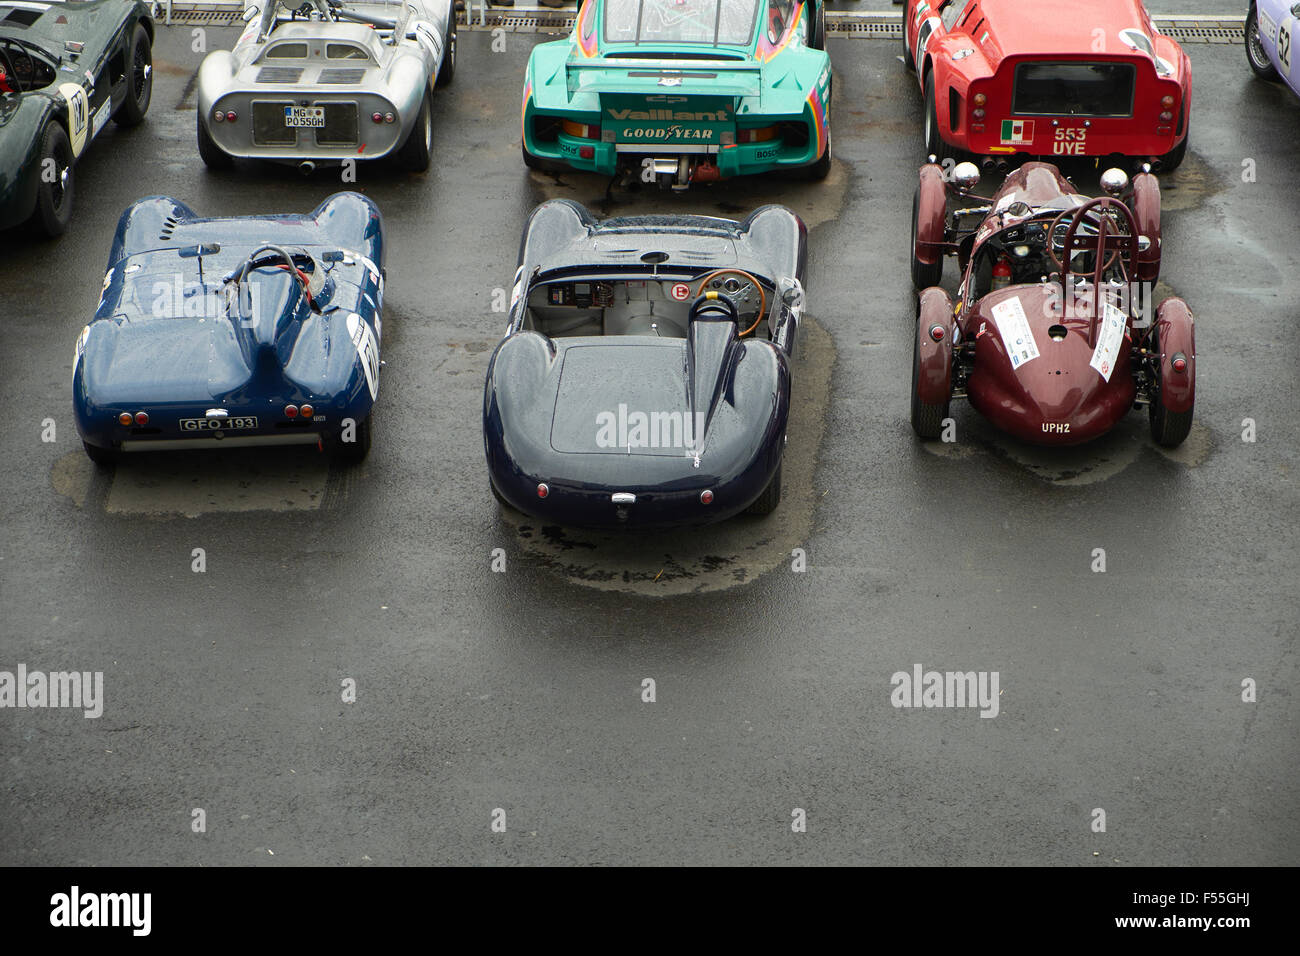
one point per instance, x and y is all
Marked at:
(1017, 132)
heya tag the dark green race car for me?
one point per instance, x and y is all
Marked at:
(66, 68)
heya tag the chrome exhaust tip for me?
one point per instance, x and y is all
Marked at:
(306, 167)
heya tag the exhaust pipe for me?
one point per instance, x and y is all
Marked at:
(1003, 165)
(987, 163)
(306, 167)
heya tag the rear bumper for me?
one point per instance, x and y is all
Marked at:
(364, 139)
(606, 155)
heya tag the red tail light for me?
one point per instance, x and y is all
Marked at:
(377, 117)
(291, 411)
(231, 116)
(706, 497)
(1179, 364)
(542, 490)
(142, 418)
(936, 333)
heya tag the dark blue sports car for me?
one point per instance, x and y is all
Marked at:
(244, 331)
(644, 379)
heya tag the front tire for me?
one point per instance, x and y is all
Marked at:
(1256, 55)
(139, 80)
(54, 198)
(924, 274)
(415, 152)
(447, 71)
(767, 502)
(213, 156)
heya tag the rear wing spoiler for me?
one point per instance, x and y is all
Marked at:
(628, 75)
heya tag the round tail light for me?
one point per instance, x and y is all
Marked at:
(1167, 102)
(124, 418)
(377, 117)
(142, 418)
(231, 116)
(543, 490)
(936, 333)
(291, 411)
(218, 117)
(706, 497)
(307, 411)
(979, 99)
(390, 118)
(1166, 117)
(1179, 363)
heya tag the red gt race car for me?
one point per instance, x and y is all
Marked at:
(1050, 78)
(1052, 336)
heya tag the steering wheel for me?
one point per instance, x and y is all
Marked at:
(1086, 211)
(280, 258)
(739, 292)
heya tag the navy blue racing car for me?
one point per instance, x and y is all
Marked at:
(213, 333)
(644, 378)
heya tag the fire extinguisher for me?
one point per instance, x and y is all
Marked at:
(1001, 273)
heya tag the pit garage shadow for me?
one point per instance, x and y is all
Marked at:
(712, 557)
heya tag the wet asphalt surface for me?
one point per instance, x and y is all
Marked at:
(522, 690)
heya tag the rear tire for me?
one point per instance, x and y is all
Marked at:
(767, 502)
(1174, 158)
(1256, 55)
(935, 145)
(213, 156)
(54, 199)
(354, 452)
(927, 420)
(1169, 429)
(415, 152)
(447, 71)
(103, 457)
(818, 39)
(139, 80)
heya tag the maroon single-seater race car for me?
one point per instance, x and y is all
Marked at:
(1052, 337)
(1048, 78)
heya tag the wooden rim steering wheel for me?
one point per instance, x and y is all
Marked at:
(762, 294)
(1051, 238)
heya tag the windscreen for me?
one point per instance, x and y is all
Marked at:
(1073, 89)
(713, 22)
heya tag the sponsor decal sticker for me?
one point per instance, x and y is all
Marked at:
(1017, 337)
(1109, 340)
(367, 349)
(1017, 132)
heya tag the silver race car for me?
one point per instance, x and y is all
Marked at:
(323, 81)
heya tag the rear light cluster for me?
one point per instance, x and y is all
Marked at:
(761, 135)
(293, 411)
(378, 117)
(228, 116)
(543, 490)
(139, 418)
(581, 130)
(706, 497)
(977, 113)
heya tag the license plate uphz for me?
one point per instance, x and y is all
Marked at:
(304, 117)
(217, 424)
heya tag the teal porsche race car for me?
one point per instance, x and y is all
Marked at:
(683, 91)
